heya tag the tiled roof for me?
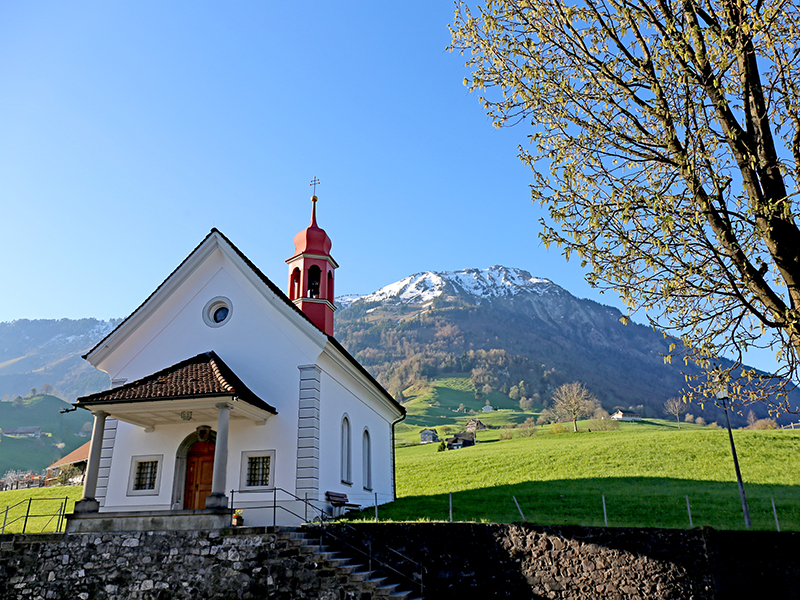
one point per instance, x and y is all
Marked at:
(202, 376)
(77, 455)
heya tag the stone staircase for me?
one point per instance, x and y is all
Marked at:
(350, 572)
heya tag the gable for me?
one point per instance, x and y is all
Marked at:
(264, 339)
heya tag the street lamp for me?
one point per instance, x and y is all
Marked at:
(722, 396)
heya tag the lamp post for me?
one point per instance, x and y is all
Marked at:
(722, 396)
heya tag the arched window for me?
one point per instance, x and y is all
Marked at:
(294, 288)
(347, 473)
(330, 286)
(366, 460)
(314, 274)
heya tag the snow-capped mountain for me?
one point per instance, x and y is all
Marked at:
(421, 288)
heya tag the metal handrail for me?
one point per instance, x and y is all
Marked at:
(323, 518)
(61, 514)
(417, 582)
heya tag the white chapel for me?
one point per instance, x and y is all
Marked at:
(228, 394)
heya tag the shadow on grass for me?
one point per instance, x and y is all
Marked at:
(629, 502)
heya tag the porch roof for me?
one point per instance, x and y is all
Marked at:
(188, 390)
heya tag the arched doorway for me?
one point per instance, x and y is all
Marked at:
(194, 469)
(199, 474)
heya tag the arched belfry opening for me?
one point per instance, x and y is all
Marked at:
(311, 275)
(294, 284)
(314, 273)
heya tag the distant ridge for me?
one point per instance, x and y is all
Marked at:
(500, 326)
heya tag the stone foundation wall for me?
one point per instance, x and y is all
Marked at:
(476, 560)
(461, 560)
(163, 565)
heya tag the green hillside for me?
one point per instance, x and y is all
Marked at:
(644, 470)
(59, 432)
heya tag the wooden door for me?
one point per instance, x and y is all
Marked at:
(199, 474)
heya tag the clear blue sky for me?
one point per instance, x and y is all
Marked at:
(129, 129)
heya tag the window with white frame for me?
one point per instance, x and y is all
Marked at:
(257, 472)
(347, 461)
(145, 475)
(366, 460)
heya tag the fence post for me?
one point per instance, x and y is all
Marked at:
(519, 509)
(376, 507)
(775, 512)
(62, 513)
(27, 512)
(689, 510)
(451, 507)
(605, 514)
(274, 507)
(5, 518)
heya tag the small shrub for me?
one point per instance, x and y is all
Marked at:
(714, 425)
(764, 424)
(442, 447)
(603, 425)
(700, 421)
(689, 418)
(506, 434)
(526, 431)
(558, 428)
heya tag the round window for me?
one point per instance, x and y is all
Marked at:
(217, 311)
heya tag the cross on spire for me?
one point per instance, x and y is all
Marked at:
(315, 183)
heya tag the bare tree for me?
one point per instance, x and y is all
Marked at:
(671, 131)
(676, 407)
(573, 400)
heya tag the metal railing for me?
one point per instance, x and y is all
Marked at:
(321, 518)
(10, 517)
(416, 578)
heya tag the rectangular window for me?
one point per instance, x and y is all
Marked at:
(145, 475)
(257, 470)
(145, 478)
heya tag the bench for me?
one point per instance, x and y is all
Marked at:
(340, 503)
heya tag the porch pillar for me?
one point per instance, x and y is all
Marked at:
(88, 503)
(218, 499)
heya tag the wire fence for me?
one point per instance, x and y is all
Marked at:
(35, 515)
(595, 509)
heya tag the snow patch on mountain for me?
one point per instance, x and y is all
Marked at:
(494, 282)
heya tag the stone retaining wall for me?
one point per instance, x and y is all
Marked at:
(476, 560)
(163, 565)
(461, 560)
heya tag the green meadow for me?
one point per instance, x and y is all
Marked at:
(44, 504)
(644, 471)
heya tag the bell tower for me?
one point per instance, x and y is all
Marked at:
(311, 272)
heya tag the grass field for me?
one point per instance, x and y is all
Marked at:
(645, 471)
(45, 502)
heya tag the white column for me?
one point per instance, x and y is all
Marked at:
(218, 499)
(88, 502)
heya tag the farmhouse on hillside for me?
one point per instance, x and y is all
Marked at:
(626, 415)
(474, 425)
(28, 432)
(461, 440)
(228, 394)
(428, 436)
